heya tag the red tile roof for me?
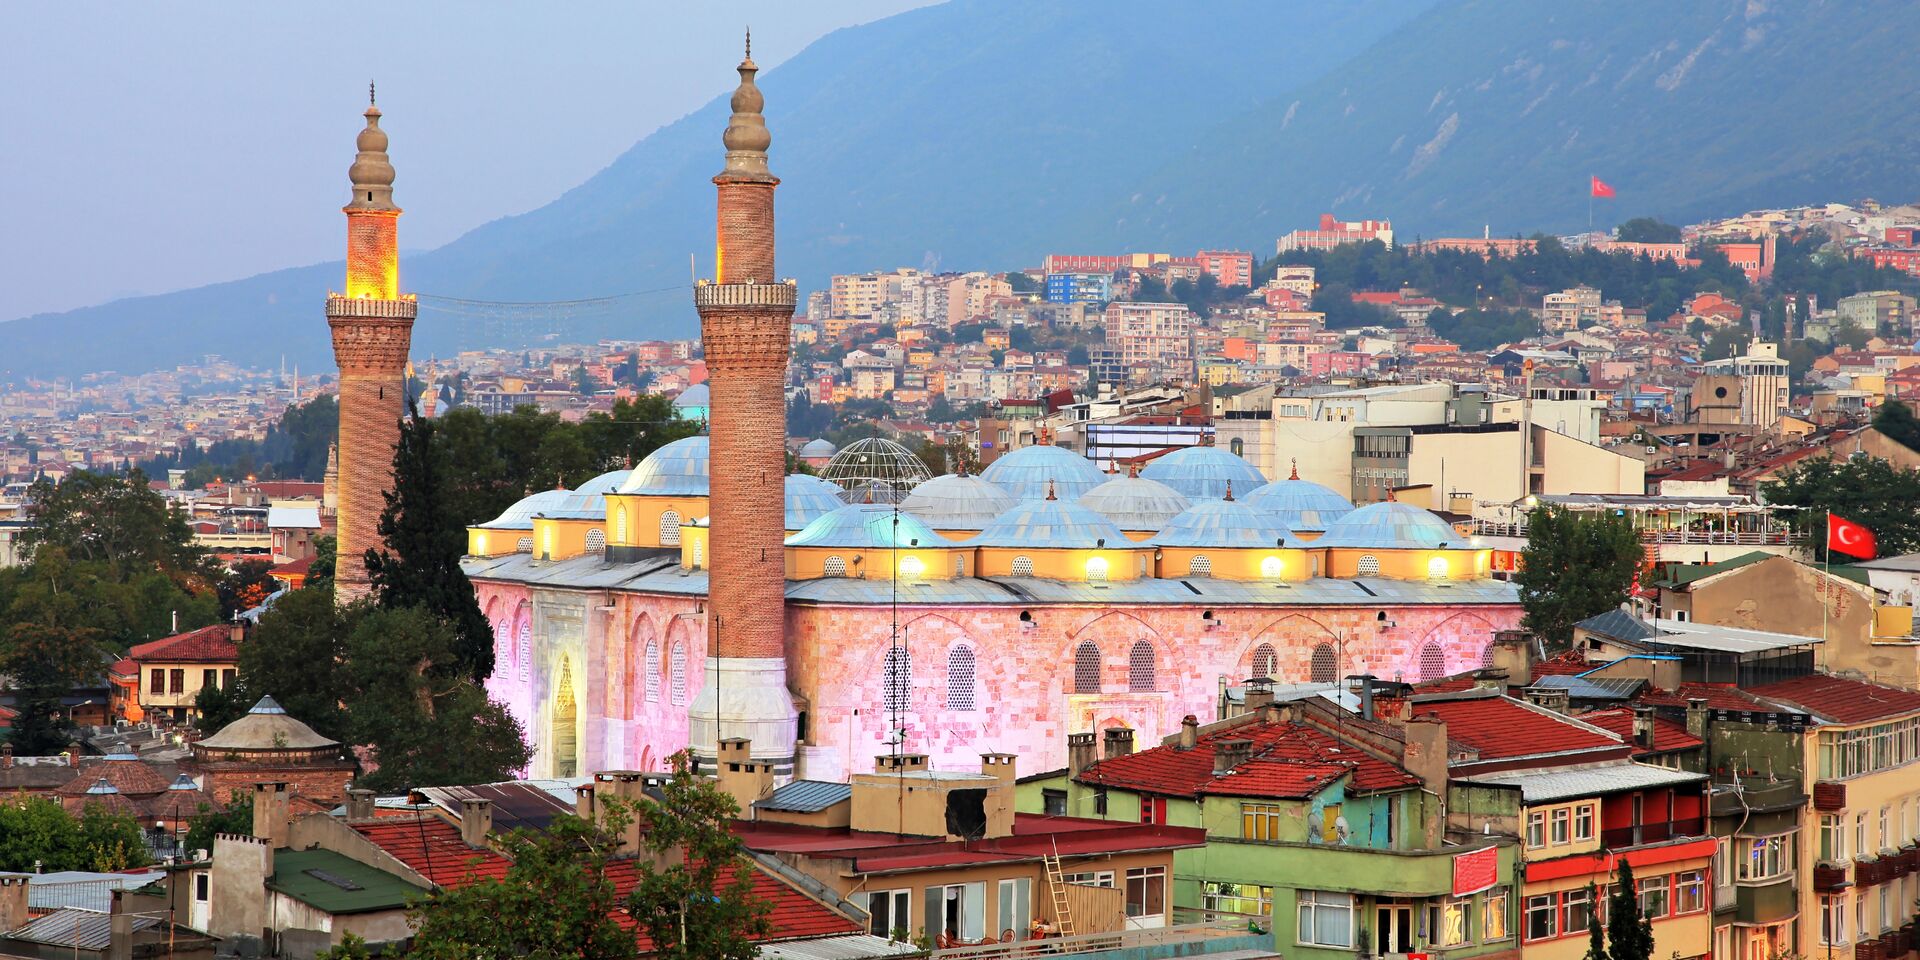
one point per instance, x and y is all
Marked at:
(1502, 728)
(794, 915)
(1668, 736)
(212, 644)
(1841, 700)
(1034, 837)
(1287, 760)
(1719, 696)
(1565, 665)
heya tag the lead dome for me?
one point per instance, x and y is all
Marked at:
(1391, 525)
(1300, 504)
(1204, 472)
(678, 469)
(1136, 504)
(959, 502)
(1025, 473)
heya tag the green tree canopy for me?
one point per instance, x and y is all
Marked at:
(1896, 420)
(113, 518)
(297, 654)
(1629, 935)
(1867, 490)
(1647, 230)
(1577, 564)
(1482, 328)
(35, 832)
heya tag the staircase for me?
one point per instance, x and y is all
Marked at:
(1057, 884)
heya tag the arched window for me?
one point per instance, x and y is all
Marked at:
(670, 528)
(1265, 661)
(1433, 661)
(653, 670)
(1023, 566)
(620, 524)
(1369, 566)
(1271, 567)
(960, 685)
(836, 567)
(1097, 568)
(1200, 566)
(524, 545)
(1086, 667)
(503, 646)
(1437, 568)
(523, 648)
(1326, 665)
(699, 555)
(1237, 446)
(1486, 655)
(959, 564)
(896, 679)
(1140, 678)
(596, 540)
(678, 672)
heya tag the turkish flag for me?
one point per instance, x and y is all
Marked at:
(1602, 189)
(1852, 539)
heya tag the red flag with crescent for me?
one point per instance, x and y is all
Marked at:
(1852, 539)
(1601, 188)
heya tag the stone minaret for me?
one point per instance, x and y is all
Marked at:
(372, 325)
(745, 318)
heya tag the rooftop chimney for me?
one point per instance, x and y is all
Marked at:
(1513, 652)
(1557, 699)
(1424, 754)
(1080, 753)
(359, 806)
(999, 766)
(1259, 693)
(1189, 732)
(903, 763)
(1230, 753)
(1697, 717)
(629, 787)
(1362, 684)
(237, 630)
(1119, 742)
(741, 776)
(1643, 726)
(271, 812)
(13, 904)
(1490, 678)
(476, 821)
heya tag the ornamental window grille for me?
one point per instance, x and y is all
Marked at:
(1369, 566)
(596, 540)
(524, 545)
(1023, 566)
(960, 679)
(1140, 674)
(699, 555)
(653, 670)
(896, 679)
(835, 567)
(1200, 566)
(620, 524)
(523, 649)
(670, 528)
(1265, 661)
(1433, 661)
(678, 669)
(959, 565)
(1326, 664)
(1086, 667)
(1486, 655)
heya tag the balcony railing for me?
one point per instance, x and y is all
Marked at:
(1658, 832)
(1187, 939)
(1757, 538)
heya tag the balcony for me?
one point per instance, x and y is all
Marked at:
(1753, 796)
(1658, 832)
(1764, 903)
(1829, 796)
(1753, 538)
(1828, 877)
(1222, 935)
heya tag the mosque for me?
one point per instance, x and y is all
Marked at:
(701, 596)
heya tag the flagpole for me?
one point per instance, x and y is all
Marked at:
(1825, 583)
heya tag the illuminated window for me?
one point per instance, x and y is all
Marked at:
(1433, 662)
(1265, 661)
(1140, 678)
(1086, 667)
(670, 528)
(546, 543)
(959, 564)
(678, 672)
(524, 649)
(1023, 566)
(896, 679)
(960, 685)
(652, 670)
(835, 567)
(524, 545)
(620, 524)
(1097, 568)
(480, 545)
(1326, 664)
(1437, 568)
(1200, 566)
(1369, 566)
(596, 540)
(911, 568)
(699, 555)
(1270, 568)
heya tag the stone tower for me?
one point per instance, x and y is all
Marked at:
(745, 318)
(372, 325)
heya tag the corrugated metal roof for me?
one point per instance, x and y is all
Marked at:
(1546, 786)
(515, 803)
(851, 947)
(805, 796)
(1593, 688)
(1617, 625)
(1691, 635)
(85, 929)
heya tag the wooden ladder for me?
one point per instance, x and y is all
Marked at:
(1057, 884)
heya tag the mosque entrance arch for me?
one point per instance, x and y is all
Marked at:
(566, 738)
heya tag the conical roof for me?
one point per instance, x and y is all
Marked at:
(266, 727)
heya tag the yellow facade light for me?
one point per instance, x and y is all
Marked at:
(480, 544)
(1096, 568)
(911, 568)
(1437, 568)
(1270, 568)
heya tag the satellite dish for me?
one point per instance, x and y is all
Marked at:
(1342, 828)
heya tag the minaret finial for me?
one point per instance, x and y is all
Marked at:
(1050, 495)
(746, 138)
(370, 98)
(749, 43)
(1295, 475)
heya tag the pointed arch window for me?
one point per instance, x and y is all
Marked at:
(1023, 566)
(1486, 655)
(1433, 661)
(699, 555)
(1140, 671)
(652, 668)
(620, 524)
(1326, 664)
(1265, 661)
(1200, 566)
(960, 678)
(523, 649)
(596, 540)
(1086, 667)
(670, 528)
(896, 679)
(959, 564)
(678, 672)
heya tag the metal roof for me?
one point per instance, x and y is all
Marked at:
(1581, 687)
(1224, 524)
(605, 483)
(332, 883)
(1546, 786)
(1689, 635)
(520, 515)
(82, 929)
(1204, 473)
(849, 947)
(1617, 624)
(302, 516)
(516, 803)
(809, 498)
(817, 448)
(1051, 524)
(1025, 473)
(805, 796)
(678, 469)
(1136, 503)
(1390, 525)
(867, 526)
(957, 502)
(1301, 504)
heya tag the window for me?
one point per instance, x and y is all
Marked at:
(1264, 661)
(177, 680)
(620, 524)
(1100, 802)
(896, 679)
(670, 528)
(202, 886)
(1023, 566)
(209, 678)
(699, 554)
(1541, 917)
(1054, 802)
(960, 685)
(889, 911)
(1860, 844)
(1016, 908)
(1242, 898)
(1237, 446)
(1537, 829)
(959, 565)
(677, 672)
(1886, 829)
(957, 911)
(596, 540)
(524, 545)
(1271, 568)
(227, 678)
(1326, 664)
(1583, 822)
(1576, 910)
(1147, 891)
(1103, 878)
(652, 670)
(1653, 897)
(1097, 569)
(835, 567)
(1833, 921)
(1433, 662)
(1200, 566)
(1140, 678)
(1326, 919)
(524, 648)
(1260, 821)
(159, 682)
(1447, 922)
(1689, 892)
(1765, 858)
(1153, 809)
(1086, 667)
(1493, 916)
(1369, 566)
(1562, 819)
(1833, 838)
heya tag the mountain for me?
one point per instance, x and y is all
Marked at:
(961, 135)
(1496, 112)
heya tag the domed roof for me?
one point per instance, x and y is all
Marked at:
(866, 526)
(605, 483)
(1391, 525)
(265, 727)
(817, 448)
(694, 396)
(957, 501)
(809, 498)
(1024, 473)
(1135, 503)
(678, 469)
(1202, 473)
(520, 515)
(1300, 504)
(1221, 524)
(588, 501)
(1050, 525)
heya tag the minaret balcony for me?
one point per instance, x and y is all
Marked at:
(709, 294)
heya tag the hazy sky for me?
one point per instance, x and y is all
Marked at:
(148, 147)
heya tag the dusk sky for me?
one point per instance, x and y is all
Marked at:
(156, 147)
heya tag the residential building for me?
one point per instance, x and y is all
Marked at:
(1230, 267)
(1079, 287)
(1877, 311)
(1151, 332)
(172, 671)
(1752, 389)
(1332, 233)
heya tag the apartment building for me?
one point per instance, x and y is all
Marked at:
(1155, 333)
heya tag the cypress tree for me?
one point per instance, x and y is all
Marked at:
(1629, 935)
(424, 541)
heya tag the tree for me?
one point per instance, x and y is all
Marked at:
(423, 542)
(116, 519)
(320, 572)
(244, 587)
(1596, 936)
(236, 818)
(43, 662)
(694, 896)
(35, 832)
(1577, 564)
(1482, 328)
(1867, 490)
(297, 654)
(1896, 420)
(1629, 935)
(1647, 230)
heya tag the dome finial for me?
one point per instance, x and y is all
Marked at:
(1390, 495)
(1295, 475)
(1050, 495)
(1229, 496)
(1133, 469)
(371, 101)
(747, 138)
